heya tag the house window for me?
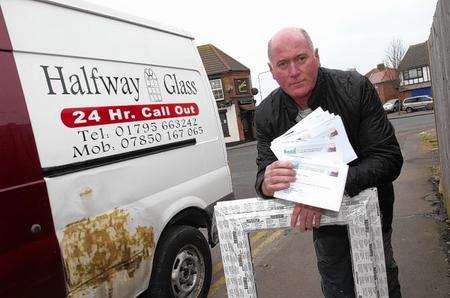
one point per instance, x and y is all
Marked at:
(224, 122)
(412, 74)
(216, 86)
(419, 73)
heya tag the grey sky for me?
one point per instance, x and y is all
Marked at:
(348, 33)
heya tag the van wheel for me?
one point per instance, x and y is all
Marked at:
(409, 110)
(182, 264)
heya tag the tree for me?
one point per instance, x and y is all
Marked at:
(394, 53)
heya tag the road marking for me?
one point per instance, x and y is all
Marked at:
(216, 286)
(271, 238)
(274, 236)
(258, 235)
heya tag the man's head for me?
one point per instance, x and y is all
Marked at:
(294, 63)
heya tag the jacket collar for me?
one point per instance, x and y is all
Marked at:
(288, 104)
(319, 91)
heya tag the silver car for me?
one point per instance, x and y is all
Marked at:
(415, 103)
(392, 105)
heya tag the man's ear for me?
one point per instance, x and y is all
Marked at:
(271, 69)
(316, 54)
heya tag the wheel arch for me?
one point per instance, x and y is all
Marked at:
(191, 216)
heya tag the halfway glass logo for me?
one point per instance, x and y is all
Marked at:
(151, 81)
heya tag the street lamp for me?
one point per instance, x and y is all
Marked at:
(259, 83)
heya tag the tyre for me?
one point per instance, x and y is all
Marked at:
(182, 264)
(409, 110)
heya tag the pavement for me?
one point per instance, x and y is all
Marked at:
(418, 230)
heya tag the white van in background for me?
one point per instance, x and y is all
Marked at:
(112, 155)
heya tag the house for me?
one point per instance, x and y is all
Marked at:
(231, 86)
(385, 80)
(414, 72)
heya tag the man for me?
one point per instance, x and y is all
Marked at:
(304, 86)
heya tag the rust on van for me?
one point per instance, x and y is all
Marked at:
(96, 249)
(86, 193)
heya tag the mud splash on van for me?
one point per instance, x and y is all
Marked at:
(97, 249)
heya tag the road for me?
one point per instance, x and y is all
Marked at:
(284, 260)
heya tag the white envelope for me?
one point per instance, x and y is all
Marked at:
(319, 148)
(318, 183)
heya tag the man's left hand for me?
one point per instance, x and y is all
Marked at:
(309, 217)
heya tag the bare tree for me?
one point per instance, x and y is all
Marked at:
(394, 53)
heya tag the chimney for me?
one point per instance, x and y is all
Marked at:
(381, 66)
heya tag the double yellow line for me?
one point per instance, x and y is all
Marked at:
(270, 236)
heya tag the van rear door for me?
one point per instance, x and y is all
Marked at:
(30, 259)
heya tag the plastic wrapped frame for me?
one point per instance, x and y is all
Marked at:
(235, 219)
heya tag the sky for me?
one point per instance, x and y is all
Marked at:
(348, 33)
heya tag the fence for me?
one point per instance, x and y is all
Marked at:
(439, 51)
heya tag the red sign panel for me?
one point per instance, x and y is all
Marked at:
(90, 116)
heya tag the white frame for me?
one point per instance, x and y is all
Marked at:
(235, 219)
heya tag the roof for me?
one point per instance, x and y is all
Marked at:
(385, 75)
(416, 56)
(367, 75)
(216, 61)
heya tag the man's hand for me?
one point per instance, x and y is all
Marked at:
(309, 217)
(278, 176)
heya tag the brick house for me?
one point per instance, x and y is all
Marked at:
(231, 86)
(385, 80)
(414, 72)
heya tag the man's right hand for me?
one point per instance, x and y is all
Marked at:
(278, 176)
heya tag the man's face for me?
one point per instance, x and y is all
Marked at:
(294, 65)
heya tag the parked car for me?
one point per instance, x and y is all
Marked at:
(415, 103)
(392, 105)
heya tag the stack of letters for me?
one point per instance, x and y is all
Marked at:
(319, 150)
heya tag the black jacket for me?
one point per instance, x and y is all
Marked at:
(372, 136)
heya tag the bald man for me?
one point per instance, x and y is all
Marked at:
(305, 86)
